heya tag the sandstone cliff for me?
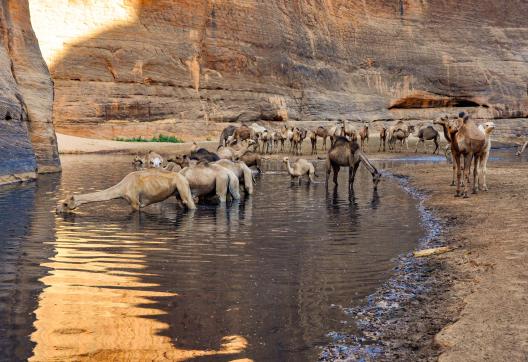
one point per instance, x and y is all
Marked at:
(27, 139)
(194, 63)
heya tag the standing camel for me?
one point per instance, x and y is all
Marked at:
(226, 133)
(468, 141)
(383, 138)
(521, 149)
(364, 137)
(486, 128)
(345, 153)
(312, 135)
(300, 168)
(427, 134)
(323, 133)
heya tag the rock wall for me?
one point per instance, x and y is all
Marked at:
(198, 63)
(27, 138)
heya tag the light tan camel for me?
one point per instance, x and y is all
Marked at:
(172, 166)
(468, 141)
(300, 168)
(522, 148)
(150, 160)
(242, 171)
(345, 153)
(140, 189)
(232, 153)
(402, 136)
(487, 128)
(364, 137)
(208, 179)
(296, 142)
(252, 159)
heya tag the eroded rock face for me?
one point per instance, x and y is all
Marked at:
(200, 62)
(27, 138)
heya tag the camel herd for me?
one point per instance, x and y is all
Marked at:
(202, 175)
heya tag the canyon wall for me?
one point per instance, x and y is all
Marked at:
(27, 138)
(131, 67)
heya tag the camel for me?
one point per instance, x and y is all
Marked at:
(349, 131)
(140, 189)
(313, 140)
(466, 140)
(285, 134)
(323, 133)
(522, 148)
(300, 168)
(226, 133)
(243, 133)
(336, 131)
(382, 138)
(277, 137)
(205, 179)
(296, 142)
(364, 137)
(427, 134)
(267, 141)
(232, 153)
(172, 166)
(487, 128)
(345, 153)
(150, 160)
(405, 130)
(242, 171)
(252, 159)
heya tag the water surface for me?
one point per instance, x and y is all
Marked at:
(264, 278)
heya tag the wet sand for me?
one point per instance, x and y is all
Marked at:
(466, 305)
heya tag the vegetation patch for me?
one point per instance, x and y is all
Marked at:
(160, 138)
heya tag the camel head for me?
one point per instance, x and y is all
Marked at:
(138, 160)
(66, 205)
(488, 127)
(453, 125)
(194, 147)
(412, 129)
(285, 159)
(442, 120)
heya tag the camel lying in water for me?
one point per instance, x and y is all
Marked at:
(300, 168)
(140, 189)
(345, 153)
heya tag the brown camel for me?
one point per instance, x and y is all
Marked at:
(140, 189)
(522, 148)
(466, 140)
(322, 133)
(313, 140)
(300, 168)
(428, 133)
(296, 142)
(252, 159)
(243, 133)
(345, 153)
(364, 137)
(383, 138)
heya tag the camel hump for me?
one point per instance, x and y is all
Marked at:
(354, 146)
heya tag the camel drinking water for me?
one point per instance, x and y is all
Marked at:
(207, 179)
(300, 168)
(242, 171)
(345, 153)
(140, 189)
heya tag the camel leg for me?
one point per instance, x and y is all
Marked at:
(483, 171)
(336, 172)
(352, 169)
(476, 167)
(467, 169)
(417, 144)
(437, 146)
(456, 164)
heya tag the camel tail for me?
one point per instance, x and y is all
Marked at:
(234, 186)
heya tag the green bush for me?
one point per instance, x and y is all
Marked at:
(160, 138)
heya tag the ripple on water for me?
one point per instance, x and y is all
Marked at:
(258, 279)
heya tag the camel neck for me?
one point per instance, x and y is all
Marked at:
(373, 170)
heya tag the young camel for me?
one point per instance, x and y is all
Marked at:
(522, 148)
(345, 153)
(487, 128)
(364, 137)
(383, 138)
(140, 189)
(300, 168)
(466, 140)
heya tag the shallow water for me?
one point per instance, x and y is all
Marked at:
(263, 278)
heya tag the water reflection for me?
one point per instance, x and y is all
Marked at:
(257, 279)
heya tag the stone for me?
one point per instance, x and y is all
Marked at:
(27, 138)
(197, 64)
